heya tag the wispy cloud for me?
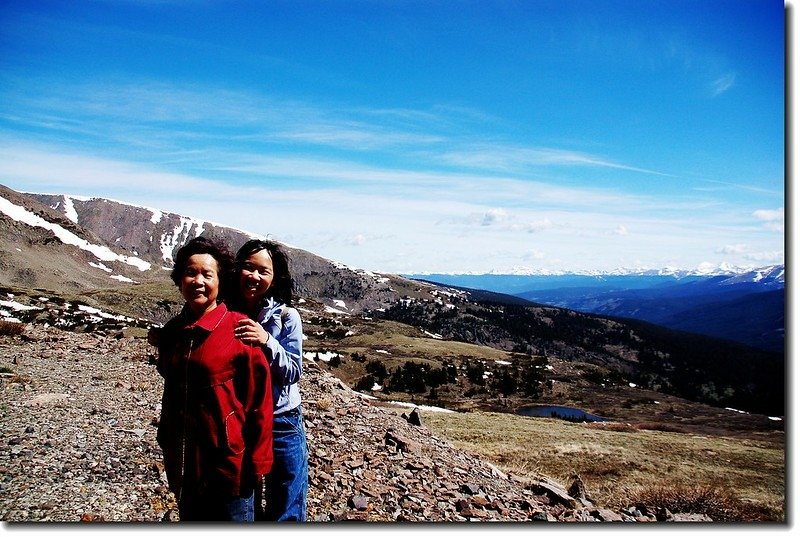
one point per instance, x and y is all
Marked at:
(46, 167)
(729, 185)
(353, 177)
(723, 84)
(357, 136)
(170, 118)
(504, 158)
(186, 112)
(710, 67)
(358, 240)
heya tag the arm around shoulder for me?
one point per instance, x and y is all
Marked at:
(285, 353)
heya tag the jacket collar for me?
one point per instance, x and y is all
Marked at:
(208, 321)
(268, 307)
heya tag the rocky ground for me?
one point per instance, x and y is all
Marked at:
(77, 443)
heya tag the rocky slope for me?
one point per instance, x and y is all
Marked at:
(156, 236)
(78, 443)
(74, 245)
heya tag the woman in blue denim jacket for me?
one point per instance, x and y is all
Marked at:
(265, 295)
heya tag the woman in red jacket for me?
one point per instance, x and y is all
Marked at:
(216, 416)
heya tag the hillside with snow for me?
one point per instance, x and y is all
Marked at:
(69, 243)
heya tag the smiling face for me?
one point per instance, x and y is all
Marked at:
(255, 277)
(200, 284)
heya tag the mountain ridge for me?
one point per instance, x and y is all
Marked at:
(706, 269)
(154, 237)
(666, 300)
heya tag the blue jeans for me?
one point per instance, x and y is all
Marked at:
(214, 508)
(286, 486)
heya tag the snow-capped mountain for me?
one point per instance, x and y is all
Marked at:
(767, 276)
(745, 305)
(78, 244)
(704, 269)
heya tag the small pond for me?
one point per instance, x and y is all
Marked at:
(562, 412)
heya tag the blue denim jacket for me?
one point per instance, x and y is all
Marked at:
(284, 352)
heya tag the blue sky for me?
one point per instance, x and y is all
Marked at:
(443, 136)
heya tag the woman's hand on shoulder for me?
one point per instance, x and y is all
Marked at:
(249, 331)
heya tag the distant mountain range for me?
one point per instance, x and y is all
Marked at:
(746, 306)
(704, 269)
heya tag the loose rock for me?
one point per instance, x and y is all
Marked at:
(77, 443)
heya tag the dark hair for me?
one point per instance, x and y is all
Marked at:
(203, 245)
(282, 283)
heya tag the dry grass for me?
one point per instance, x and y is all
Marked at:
(408, 342)
(393, 344)
(719, 503)
(727, 478)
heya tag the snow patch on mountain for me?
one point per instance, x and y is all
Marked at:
(329, 309)
(121, 278)
(103, 253)
(766, 275)
(69, 209)
(723, 269)
(180, 235)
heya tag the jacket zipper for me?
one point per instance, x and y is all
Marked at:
(185, 407)
(186, 404)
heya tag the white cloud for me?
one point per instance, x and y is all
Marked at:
(494, 216)
(766, 257)
(773, 219)
(534, 227)
(769, 214)
(732, 249)
(168, 116)
(723, 186)
(621, 230)
(50, 169)
(358, 240)
(533, 254)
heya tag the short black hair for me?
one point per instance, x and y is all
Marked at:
(204, 245)
(282, 282)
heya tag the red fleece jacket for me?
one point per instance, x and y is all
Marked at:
(216, 414)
